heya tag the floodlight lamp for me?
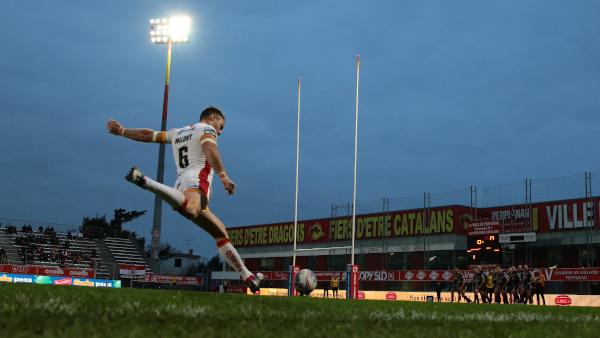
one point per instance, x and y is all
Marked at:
(151, 32)
(185, 38)
(151, 20)
(180, 25)
(164, 21)
(153, 39)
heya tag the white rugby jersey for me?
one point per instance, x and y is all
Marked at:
(188, 153)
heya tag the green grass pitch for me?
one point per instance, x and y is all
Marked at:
(28, 310)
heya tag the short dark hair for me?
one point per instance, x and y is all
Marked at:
(206, 113)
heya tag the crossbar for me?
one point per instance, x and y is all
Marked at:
(330, 248)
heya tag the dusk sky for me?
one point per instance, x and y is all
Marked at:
(452, 95)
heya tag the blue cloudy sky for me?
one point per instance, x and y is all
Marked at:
(452, 94)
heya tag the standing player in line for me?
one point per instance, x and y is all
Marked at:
(502, 285)
(478, 280)
(515, 283)
(526, 281)
(196, 158)
(459, 286)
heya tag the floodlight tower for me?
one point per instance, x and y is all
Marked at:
(166, 31)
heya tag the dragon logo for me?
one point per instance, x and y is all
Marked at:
(465, 220)
(316, 231)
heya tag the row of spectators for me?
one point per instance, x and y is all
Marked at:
(49, 230)
(65, 258)
(32, 248)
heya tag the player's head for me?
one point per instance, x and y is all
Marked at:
(457, 269)
(213, 116)
(520, 267)
(526, 267)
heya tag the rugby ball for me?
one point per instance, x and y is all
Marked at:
(305, 282)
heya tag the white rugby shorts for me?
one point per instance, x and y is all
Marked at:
(190, 180)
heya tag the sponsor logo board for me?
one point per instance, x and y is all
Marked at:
(551, 300)
(563, 300)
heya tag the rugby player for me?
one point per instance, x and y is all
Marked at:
(459, 286)
(502, 284)
(197, 159)
(527, 282)
(515, 283)
(479, 284)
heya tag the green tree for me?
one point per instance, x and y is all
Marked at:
(164, 251)
(115, 227)
(214, 263)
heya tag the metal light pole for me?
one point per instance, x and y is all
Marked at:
(174, 30)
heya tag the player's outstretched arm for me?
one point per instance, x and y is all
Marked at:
(140, 135)
(214, 159)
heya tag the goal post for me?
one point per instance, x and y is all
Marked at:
(351, 269)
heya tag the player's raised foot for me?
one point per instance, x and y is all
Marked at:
(253, 283)
(260, 277)
(136, 177)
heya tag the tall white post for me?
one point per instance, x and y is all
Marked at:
(355, 156)
(297, 161)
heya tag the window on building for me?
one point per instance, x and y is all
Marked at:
(177, 262)
(584, 259)
(555, 257)
(441, 260)
(399, 260)
(267, 264)
(336, 263)
(287, 261)
(361, 261)
(312, 263)
(461, 260)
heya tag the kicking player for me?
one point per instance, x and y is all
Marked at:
(196, 158)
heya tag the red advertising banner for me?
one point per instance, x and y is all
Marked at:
(590, 274)
(321, 275)
(292, 272)
(406, 223)
(545, 217)
(557, 216)
(169, 279)
(132, 271)
(43, 271)
(484, 228)
(558, 274)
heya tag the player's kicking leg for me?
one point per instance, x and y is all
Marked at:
(192, 205)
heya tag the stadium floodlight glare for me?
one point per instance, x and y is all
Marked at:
(175, 29)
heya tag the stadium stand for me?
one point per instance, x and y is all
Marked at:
(124, 252)
(51, 249)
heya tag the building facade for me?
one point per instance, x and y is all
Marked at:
(178, 263)
(566, 236)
